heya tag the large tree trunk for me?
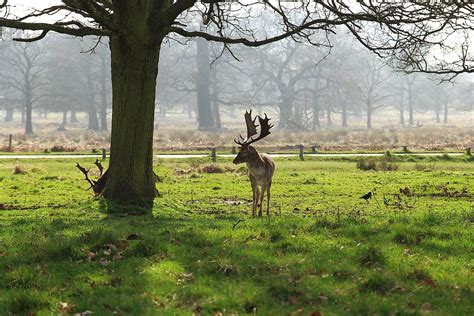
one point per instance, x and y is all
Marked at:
(135, 56)
(8, 115)
(205, 118)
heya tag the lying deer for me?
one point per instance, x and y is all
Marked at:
(260, 166)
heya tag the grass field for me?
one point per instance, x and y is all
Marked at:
(323, 251)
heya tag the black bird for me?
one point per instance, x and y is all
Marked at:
(366, 196)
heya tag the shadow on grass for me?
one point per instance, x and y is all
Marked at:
(173, 263)
(110, 207)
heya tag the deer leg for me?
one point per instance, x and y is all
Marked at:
(268, 198)
(261, 197)
(255, 195)
(255, 201)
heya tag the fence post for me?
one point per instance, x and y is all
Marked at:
(10, 143)
(301, 152)
(213, 155)
(104, 154)
(313, 149)
(468, 151)
(405, 149)
(234, 151)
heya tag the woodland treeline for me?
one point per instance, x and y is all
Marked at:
(304, 84)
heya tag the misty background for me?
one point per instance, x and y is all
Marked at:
(60, 84)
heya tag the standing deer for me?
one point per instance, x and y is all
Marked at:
(260, 166)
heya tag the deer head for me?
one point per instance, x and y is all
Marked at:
(246, 151)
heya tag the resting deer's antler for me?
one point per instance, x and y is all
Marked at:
(86, 174)
(99, 185)
(252, 129)
(99, 166)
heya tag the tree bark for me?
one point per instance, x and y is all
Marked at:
(205, 118)
(135, 56)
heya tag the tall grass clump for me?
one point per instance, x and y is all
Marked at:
(377, 164)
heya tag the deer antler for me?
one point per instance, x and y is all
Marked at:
(252, 129)
(86, 174)
(99, 185)
(99, 166)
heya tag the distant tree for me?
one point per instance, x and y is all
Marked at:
(372, 86)
(23, 66)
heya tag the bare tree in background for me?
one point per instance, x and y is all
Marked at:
(372, 85)
(22, 71)
(137, 28)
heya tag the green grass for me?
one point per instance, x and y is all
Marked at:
(323, 250)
